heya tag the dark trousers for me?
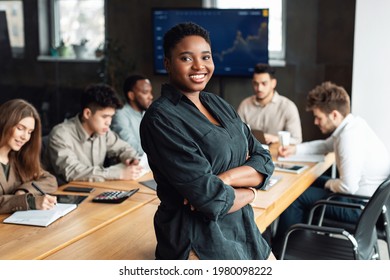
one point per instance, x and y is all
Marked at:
(298, 211)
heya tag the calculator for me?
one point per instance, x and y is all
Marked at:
(114, 196)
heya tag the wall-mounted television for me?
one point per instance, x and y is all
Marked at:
(239, 37)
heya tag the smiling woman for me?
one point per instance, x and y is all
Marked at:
(20, 145)
(205, 188)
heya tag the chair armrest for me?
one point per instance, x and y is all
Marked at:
(318, 229)
(348, 195)
(324, 203)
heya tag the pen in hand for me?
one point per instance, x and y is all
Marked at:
(47, 202)
(38, 188)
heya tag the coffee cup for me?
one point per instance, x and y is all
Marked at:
(284, 138)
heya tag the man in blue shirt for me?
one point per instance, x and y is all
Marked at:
(137, 91)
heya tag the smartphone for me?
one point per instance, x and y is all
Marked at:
(78, 189)
(292, 168)
(70, 199)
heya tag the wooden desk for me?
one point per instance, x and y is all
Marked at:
(287, 190)
(129, 238)
(28, 242)
(125, 231)
(132, 236)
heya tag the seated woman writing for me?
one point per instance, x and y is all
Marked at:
(20, 145)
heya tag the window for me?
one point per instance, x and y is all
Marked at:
(276, 37)
(80, 23)
(14, 14)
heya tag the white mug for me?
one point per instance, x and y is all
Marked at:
(284, 138)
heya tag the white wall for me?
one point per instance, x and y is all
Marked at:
(371, 66)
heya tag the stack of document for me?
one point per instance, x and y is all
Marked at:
(145, 166)
(41, 218)
(272, 181)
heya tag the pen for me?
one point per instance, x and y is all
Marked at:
(38, 188)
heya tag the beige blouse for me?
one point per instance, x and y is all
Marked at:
(9, 202)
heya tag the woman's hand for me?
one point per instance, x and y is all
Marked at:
(243, 196)
(241, 176)
(20, 192)
(45, 202)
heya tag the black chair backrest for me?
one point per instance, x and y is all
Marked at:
(366, 239)
(45, 142)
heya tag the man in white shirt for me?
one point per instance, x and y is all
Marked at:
(361, 158)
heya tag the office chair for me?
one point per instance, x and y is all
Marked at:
(382, 225)
(45, 142)
(308, 242)
(45, 165)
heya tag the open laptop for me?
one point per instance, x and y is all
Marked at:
(259, 135)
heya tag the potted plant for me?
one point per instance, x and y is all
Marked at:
(63, 49)
(99, 51)
(80, 50)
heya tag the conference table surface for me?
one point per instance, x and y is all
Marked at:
(128, 238)
(125, 231)
(275, 200)
(272, 202)
(19, 242)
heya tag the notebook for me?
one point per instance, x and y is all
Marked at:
(41, 218)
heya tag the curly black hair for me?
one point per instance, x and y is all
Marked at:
(130, 82)
(174, 35)
(100, 96)
(262, 68)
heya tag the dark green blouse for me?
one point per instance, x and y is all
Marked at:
(186, 152)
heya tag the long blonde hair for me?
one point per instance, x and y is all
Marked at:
(27, 159)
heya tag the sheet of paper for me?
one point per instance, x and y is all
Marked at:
(272, 181)
(303, 158)
(145, 165)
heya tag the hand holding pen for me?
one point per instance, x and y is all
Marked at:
(44, 202)
(287, 150)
